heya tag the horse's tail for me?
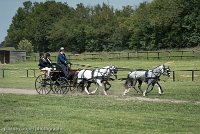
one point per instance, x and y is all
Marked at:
(75, 78)
(128, 83)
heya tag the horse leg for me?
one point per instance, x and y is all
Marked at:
(134, 82)
(102, 84)
(139, 86)
(97, 87)
(152, 86)
(109, 85)
(160, 91)
(88, 85)
(148, 89)
(104, 88)
(86, 88)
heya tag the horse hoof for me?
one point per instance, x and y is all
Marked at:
(161, 93)
(92, 92)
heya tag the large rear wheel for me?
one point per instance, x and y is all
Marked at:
(42, 84)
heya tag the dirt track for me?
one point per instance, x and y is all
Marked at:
(157, 100)
(17, 91)
(119, 98)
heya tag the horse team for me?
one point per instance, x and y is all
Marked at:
(84, 78)
(100, 77)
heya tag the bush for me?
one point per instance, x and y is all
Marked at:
(25, 45)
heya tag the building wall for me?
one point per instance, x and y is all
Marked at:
(12, 56)
(1, 57)
(4, 57)
(17, 56)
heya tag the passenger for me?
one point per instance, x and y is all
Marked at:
(44, 64)
(63, 62)
(49, 62)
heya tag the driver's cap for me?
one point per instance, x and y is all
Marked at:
(62, 48)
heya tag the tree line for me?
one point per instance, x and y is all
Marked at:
(160, 24)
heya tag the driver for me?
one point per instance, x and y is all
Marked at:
(63, 61)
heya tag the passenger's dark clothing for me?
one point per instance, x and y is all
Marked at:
(49, 63)
(42, 63)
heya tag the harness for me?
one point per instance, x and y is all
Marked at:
(146, 73)
(156, 74)
(103, 77)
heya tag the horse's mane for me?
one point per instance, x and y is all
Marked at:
(158, 66)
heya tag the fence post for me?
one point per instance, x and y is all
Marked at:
(182, 55)
(169, 54)
(34, 72)
(173, 76)
(158, 55)
(192, 75)
(128, 55)
(193, 52)
(27, 73)
(3, 73)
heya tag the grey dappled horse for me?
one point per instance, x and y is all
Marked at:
(151, 77)
(98, 76)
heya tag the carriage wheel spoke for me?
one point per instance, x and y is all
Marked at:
(42, 85)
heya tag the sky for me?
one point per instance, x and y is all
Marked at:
(8, 9)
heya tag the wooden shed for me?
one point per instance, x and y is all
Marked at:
(12, 56)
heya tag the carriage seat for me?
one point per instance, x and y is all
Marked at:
(56, 67)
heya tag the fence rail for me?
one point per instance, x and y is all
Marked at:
(192, 72)
(30, 73)
(128, 55)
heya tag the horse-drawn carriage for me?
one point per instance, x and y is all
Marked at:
(77, 80)
(56, 83)
(82, 79)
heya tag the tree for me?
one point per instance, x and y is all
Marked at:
(25, 45)
(161, 24)
(17, 30)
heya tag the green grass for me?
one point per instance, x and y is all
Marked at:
(99, 114)
(183, 84)
(96, 114)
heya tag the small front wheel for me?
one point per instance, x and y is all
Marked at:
(61, 86)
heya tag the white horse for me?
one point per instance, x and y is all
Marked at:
(98, 76)
(150, 76)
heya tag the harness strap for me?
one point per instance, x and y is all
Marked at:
(146, 73)
(82, 76)
(93, 73)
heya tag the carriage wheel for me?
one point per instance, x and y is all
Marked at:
(80, 87)
(72, 87)
(42, 84)
(61, 86)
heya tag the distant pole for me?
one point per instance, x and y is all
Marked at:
(173, 75)
(3, 73)
(27, 73)
(192, 75)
